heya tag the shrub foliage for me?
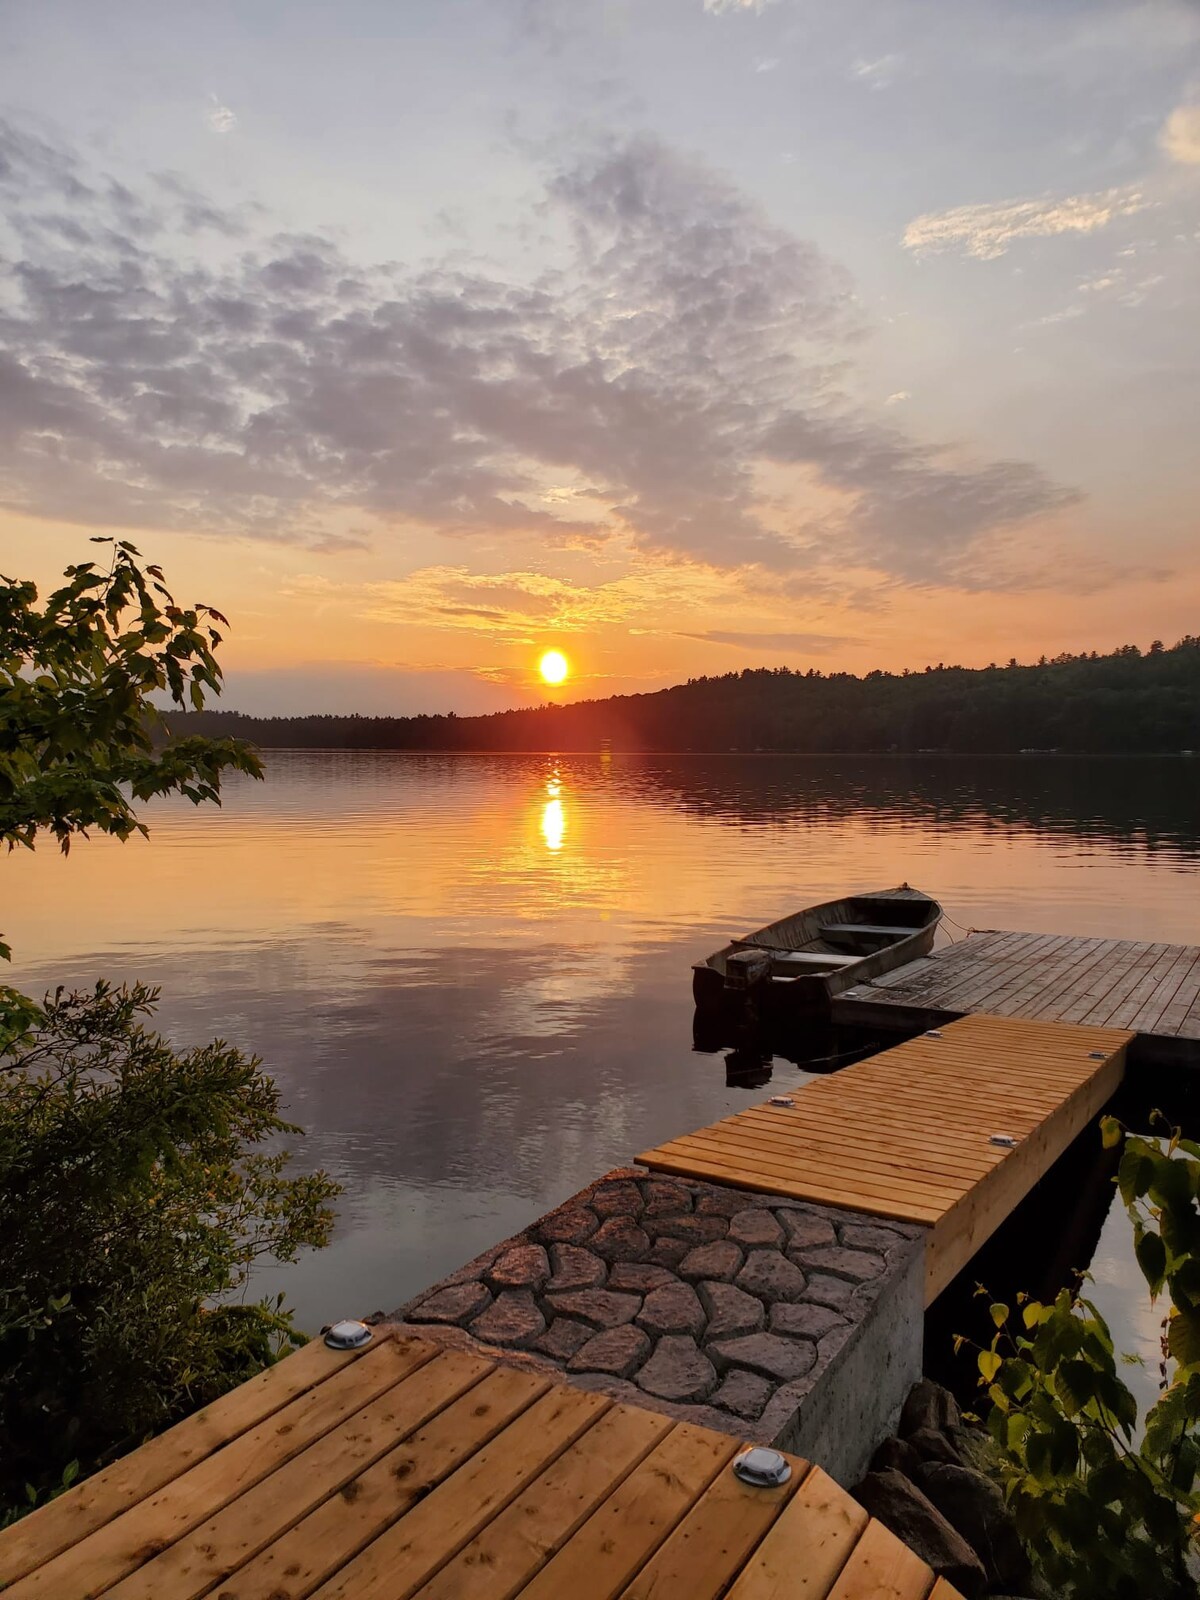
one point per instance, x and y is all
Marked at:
(1109, 1510)
(138, 1186)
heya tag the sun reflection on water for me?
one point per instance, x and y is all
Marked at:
(554, 824)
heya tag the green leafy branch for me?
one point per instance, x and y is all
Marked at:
(1103, 1511)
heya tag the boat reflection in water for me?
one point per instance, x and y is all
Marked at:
(751, 1045)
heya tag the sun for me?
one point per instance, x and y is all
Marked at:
(554, 666)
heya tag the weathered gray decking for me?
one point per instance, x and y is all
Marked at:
(1151, 989)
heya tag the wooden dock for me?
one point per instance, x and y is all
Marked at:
(1151, 989)
(403, 1470)
(906, 1133)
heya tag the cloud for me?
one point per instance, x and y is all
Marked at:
(373, 688)
(803, 643)
(1180, 137)
(219, 117)
(637, 392)
(878, 73)
(900, 395)
(718, 8)
(987, 231)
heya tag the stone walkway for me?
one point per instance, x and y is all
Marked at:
(716, 1305)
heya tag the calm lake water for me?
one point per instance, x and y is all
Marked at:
(470, 974)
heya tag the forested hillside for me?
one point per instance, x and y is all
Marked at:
(1126, 702)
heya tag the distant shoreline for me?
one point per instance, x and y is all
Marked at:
(1126, 703)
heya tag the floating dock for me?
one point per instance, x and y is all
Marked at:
(908, 1133)
(1151, 989)
(403, 1470)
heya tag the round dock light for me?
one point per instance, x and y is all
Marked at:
(1004, 1139)
(765, 1469)
(347, 1335)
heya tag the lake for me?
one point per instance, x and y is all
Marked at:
(470, 974)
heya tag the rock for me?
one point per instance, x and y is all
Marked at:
(929, 1406)
(975, 1506)
(894, 1455)
(513, 1318)
(755, 1228)
(806, 1231)
(971, 1445)
(601, 1307)
(869, 1236)
(731, 1312)
(619, 1352)
(744, 1394)
(695, 1229)
(525, 1266)
(901, 1506)
(672, 1309)
(639, 1277)
(662, 1197)
(781, 1359)
(667, 1253)
(619, 1239)
(930, 1445)
(677, 1371)
(857, 1266)
(616, 1200)
(575, 1268)
(721, 1203)
(826, 1291)
(570, 1225)
(563, 1338)
(458, 1304)
(804, 1321)
(721, 1260)
(771, 1277)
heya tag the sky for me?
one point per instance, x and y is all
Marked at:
(677, 335)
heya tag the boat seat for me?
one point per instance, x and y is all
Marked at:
(831, 929)
(814, 958)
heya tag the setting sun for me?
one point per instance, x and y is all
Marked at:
(554, 666)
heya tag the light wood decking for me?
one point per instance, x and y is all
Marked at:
(401, 1470)
(1151, 989)
(906, 1133)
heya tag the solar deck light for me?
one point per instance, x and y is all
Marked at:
(347, 1335)
(765, 1469)
(1004, 1139)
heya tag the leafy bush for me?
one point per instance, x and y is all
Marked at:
(1105, 1512)
(135, 1195)
(138, 1184)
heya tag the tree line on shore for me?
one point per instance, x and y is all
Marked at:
(1127, 702)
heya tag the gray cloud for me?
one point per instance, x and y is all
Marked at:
(274, 385)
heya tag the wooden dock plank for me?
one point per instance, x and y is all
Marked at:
(94, 1564)
(714, 1541)
(881, 1568)
(200, 1560)
(311, 1552)
(407, 1554)
(907, 1133)
(612, 1547)
(54, 1527)
(470, 1480)
(810, 1543)
(1152, 988)
(505, 1555)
